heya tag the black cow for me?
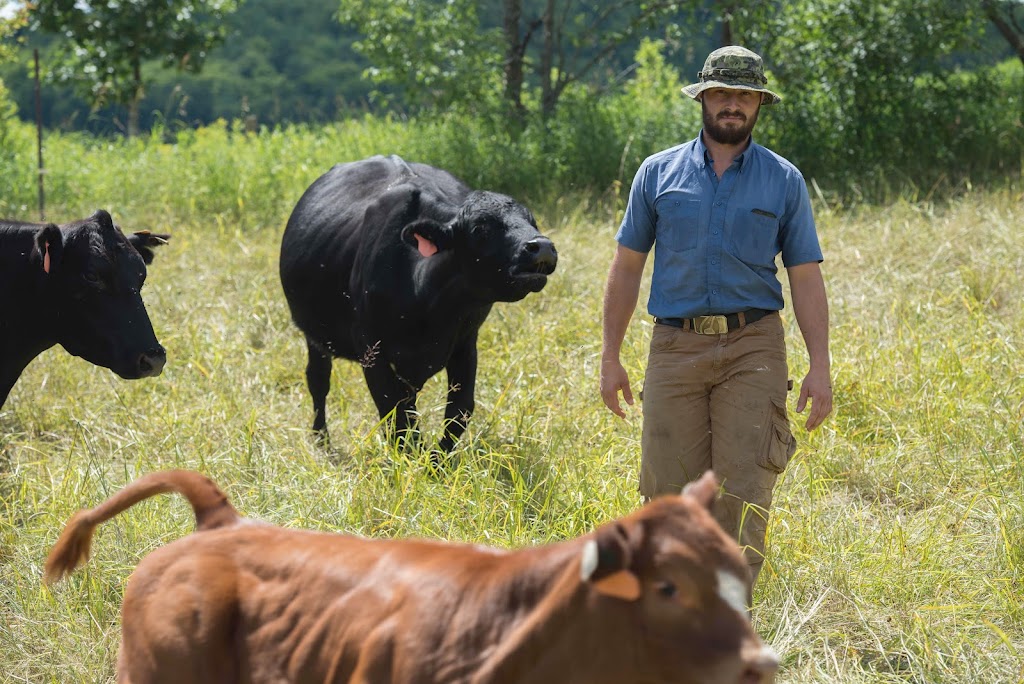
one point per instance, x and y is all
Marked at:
(396, 265)
(77, 285)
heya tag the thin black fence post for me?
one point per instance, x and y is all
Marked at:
(39, 140)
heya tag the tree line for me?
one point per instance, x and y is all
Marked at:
(872, 88)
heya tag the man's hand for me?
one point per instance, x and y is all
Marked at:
(816, 387)
(613, 379)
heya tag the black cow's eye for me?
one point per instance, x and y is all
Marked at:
(665, 588)
(94, 280)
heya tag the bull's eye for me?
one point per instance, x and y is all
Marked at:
(665, 589)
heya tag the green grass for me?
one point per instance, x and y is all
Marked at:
(896, 550)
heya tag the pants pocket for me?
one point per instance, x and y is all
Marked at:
(779, 444)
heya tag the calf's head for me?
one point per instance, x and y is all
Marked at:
(496, 242)
(94, 277)
(680, 589)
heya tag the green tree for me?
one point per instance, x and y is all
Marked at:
(107, 42)
(1008, 17)
(866, 77)
(440, 52)
(9, 27)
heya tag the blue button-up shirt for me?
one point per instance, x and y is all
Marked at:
(717, 239)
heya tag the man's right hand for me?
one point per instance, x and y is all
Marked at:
(613, 379)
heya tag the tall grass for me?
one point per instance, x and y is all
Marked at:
(896, 549)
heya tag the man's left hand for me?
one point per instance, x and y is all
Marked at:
(816, 387)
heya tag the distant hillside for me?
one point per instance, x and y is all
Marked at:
(284, 61)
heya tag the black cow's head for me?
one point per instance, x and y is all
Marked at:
(497, 243)
(94, 276)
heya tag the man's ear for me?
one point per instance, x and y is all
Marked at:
(428, 236)
(48, 250)
(605, 564)
(704, 489)
(145, 242)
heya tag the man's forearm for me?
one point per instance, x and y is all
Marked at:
(620, 297)
(810, 305)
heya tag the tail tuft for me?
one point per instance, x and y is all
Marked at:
(211, 507)
(72, 548)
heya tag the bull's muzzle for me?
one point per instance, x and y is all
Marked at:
(151, 363)
(541, 256)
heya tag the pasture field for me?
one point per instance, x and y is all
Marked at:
(896, 549)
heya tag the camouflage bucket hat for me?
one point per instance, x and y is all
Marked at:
(733, 67)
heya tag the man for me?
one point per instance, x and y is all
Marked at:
(720, 208)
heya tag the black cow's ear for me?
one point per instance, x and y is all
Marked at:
(145, 242)
(48, 250)
(102, 217)
(605, 564)
(428, 236)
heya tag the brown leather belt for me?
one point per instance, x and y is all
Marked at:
(716, 325)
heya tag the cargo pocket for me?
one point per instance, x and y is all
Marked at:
(779, 444)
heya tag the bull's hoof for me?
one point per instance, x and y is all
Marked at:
(321, 438)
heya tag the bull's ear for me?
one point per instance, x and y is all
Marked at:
(102, 217)
(428, 236)
(48, 250)
(145, 242)
(704, 489)
(605, 564)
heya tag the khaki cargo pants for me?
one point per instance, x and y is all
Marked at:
(719, 402)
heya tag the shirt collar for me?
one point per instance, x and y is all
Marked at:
(705, 155)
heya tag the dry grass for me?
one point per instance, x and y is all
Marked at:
(896, 548)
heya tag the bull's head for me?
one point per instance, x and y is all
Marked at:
(681, 585)
(496, 242)
(94, 277)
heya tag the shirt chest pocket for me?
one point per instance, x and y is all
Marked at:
(678, 223)
(754, 236)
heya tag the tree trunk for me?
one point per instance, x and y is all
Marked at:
(727, 37)
(514, 51)
(547, 60)
(133, 106)
(1007, 27)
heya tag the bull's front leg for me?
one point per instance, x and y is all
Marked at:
(461, 393)
(318, 379)
(393, 395)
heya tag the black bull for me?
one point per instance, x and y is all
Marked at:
(396, 265)
(77, 285)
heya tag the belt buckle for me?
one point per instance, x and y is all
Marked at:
(710, 325)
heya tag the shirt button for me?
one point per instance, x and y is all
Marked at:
(714, 232)
(718, 204)
(714, 292)
(714, 261)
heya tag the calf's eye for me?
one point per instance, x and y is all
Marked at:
(665, 589)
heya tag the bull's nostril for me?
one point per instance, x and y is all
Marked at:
(532, 247)
(151, 363)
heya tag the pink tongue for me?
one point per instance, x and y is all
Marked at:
(426, 247)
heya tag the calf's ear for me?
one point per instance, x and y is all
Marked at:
(427, 236)
(605, 564)
(704, 489)
(48, 250)
(145, 242)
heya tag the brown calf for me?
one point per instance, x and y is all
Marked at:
(656, 597)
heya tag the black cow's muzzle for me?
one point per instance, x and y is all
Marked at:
(150, 363)
(538, 258)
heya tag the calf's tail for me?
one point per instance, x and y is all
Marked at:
(211, 507)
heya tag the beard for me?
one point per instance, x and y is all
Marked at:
(727, 134)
